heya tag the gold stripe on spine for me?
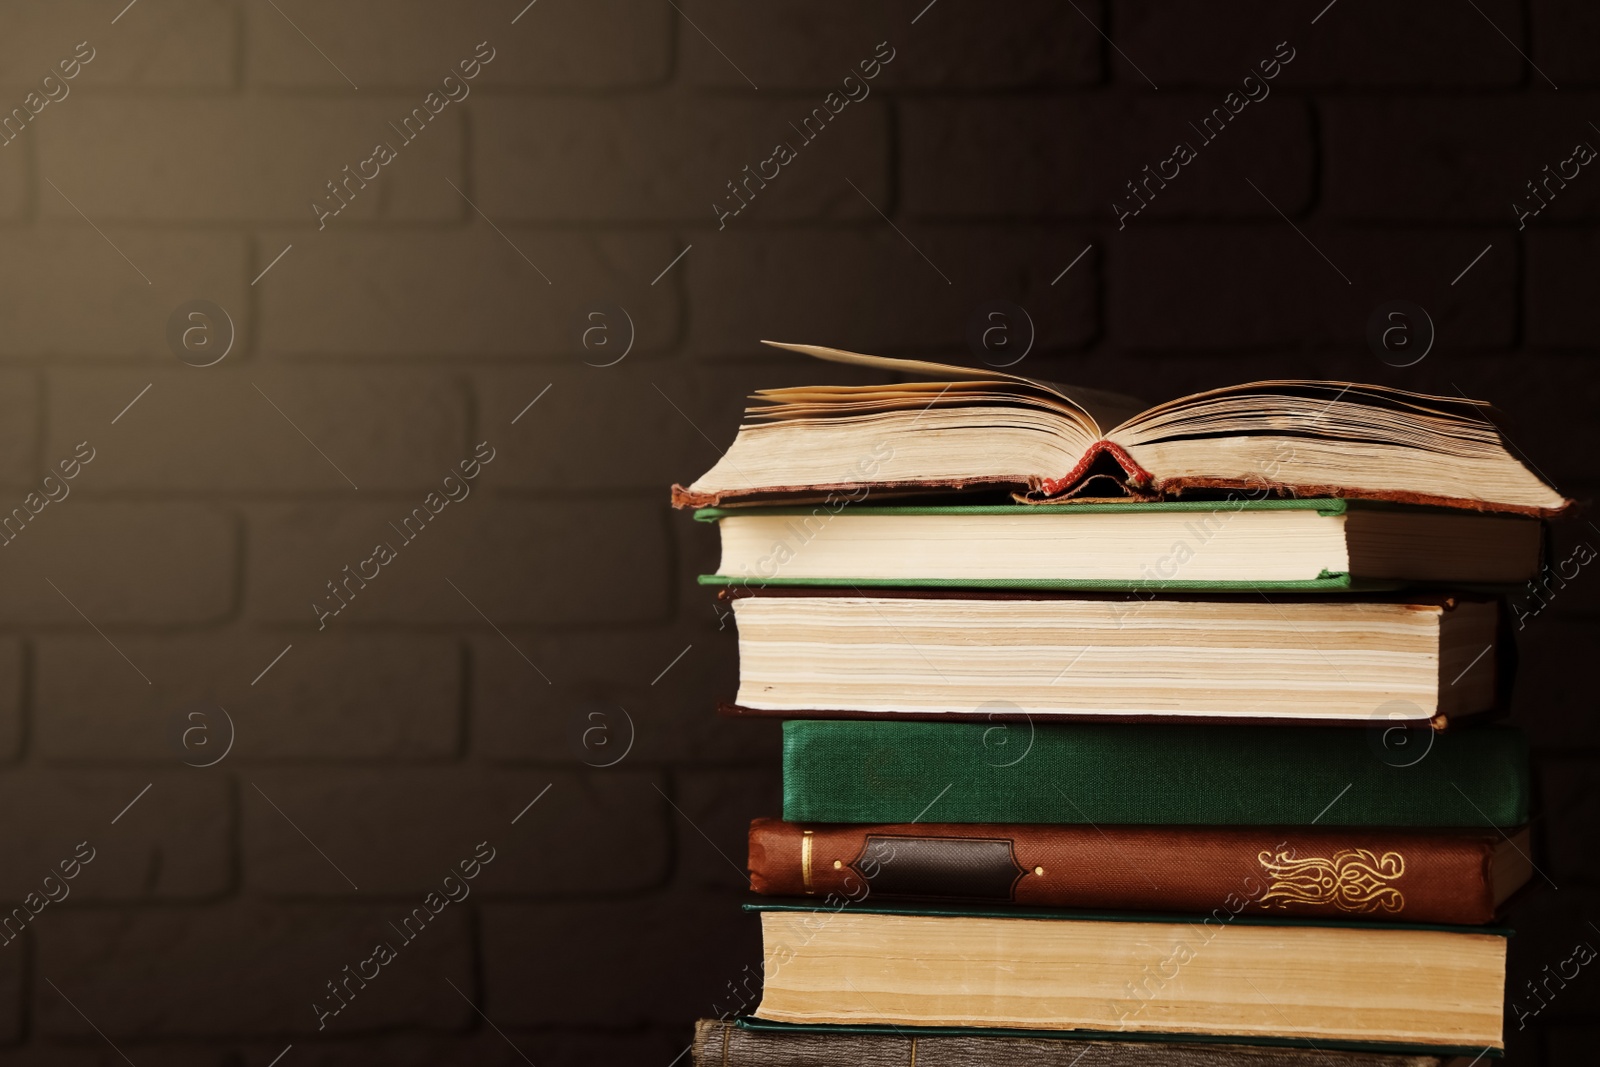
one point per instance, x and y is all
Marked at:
(805, 862)
(1354, 880)
(913, 1052)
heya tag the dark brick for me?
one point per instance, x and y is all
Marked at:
(599, 685)
(586, 44)
(401, 834)
(121, 562)
(245, 970)
(1553, 697)
(872, 291)
(662, 1044)
(358, 293)
(268, 160)
(1570, 1046)
(102, 1054)
(1560, 313)
(334, 696)
(1354, 43)
(597, 562)
(559, 444)
(1524, 1048)
(403, 430)
(1549, 923)
(671, 158)
(19, 429)
(660, 959)
(1265, 286)
(172, 842)
(955, 44)
(1073, 157)
(13, 960)
(13, 185)
(485, 1046)
(187, 44)
(11, 716)
(1569, 588)
(1565, 37)
(1412, 160)
(51, 271)
(720, 804)
(1570, 792)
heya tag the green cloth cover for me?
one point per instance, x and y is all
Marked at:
(871, 771)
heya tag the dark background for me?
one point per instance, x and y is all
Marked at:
(461, 683)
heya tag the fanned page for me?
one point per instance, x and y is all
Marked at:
(983, 429)
(1101, 408)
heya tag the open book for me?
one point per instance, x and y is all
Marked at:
(969, 428)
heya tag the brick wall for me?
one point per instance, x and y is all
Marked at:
(499, 659)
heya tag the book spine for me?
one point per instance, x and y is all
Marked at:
(1005, 714)
(1101, 773)
(1432, 877)
(723, 1043)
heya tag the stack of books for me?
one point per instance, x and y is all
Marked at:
(1169, 743)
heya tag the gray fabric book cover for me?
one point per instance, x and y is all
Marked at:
(720, 1043)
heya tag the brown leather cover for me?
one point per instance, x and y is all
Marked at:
(1430, 876)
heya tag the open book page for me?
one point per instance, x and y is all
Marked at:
(1098, 409)
(986, 429)
(1311, 437)
(1343, 410)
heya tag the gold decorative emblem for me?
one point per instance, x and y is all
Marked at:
(1354, 880)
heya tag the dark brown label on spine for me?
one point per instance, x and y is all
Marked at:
(949, 868)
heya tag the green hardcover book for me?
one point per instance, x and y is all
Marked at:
(851, 771)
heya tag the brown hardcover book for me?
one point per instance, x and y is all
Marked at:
(721, 1043)
(1426, 876)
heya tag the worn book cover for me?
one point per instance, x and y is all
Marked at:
(1430, 876)
(1305, 544)
(989, 429)
(1345, 982)
(727, 1043)
(941, 655)
(1105, 773)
